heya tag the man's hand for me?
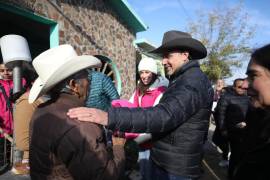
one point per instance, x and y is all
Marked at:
(89, 115)
(241, 125)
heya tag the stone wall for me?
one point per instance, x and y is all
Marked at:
(92, 27)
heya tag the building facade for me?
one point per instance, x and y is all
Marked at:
(95, 27)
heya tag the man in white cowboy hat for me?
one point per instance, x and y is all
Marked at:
(61, 148)
(179, 123)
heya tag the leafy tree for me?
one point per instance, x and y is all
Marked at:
(226, 34)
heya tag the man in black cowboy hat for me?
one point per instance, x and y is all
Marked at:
(179, 123)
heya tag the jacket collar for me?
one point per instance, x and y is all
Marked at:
(184, 68)
(160, 81)
(66, 98)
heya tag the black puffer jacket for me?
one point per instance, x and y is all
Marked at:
(255, 161)
(179, 122)
(231, 110)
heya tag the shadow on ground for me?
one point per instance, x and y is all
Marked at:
(212, 171)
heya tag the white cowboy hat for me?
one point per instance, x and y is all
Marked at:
(55, 65)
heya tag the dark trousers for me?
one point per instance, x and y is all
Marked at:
(235, 157)
(222, 143)
(160, 174)
(5, 152)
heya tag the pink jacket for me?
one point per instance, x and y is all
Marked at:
(149, 99)
(6, 118)
(152, 95)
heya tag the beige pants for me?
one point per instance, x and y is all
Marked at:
(22, 116)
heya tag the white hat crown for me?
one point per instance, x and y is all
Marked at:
(57, 64)
(49, 61)
(148, 64)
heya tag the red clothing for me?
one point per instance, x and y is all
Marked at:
(149, 99)
(6, 118)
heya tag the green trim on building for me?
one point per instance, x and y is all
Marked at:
(118, 78)
(144, 47)
(54, 35)
(128, 15)
(144, 42)
(115, 71)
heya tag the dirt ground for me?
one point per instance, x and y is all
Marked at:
(212, 171)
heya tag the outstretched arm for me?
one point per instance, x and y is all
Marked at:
(170, 113)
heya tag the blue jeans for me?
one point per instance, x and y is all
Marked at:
(160, 174)
(145, 164)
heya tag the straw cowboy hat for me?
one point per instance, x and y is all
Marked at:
(173, 40)
(55, 65)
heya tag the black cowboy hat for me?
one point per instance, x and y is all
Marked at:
(173, 40)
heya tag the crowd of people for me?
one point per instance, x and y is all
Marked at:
(70, 122)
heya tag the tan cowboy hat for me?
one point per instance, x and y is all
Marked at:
(55, 65)
(173, 40)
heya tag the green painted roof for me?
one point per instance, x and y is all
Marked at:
(144, 47)
(144, 44)
(128, 15)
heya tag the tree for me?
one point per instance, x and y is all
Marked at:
(226, 34)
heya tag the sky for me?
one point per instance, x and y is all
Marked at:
(163, 15)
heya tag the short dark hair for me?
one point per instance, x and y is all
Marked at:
(261, 56)
(29, 74)
(236, 80)
(63, 85)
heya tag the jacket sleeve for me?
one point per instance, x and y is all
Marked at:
(132, 97)
(83, 151)
(109, 89)
(173, 110)
(220, 113)
(158, 99)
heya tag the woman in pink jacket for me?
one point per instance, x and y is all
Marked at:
(147, 94)
(6, 121)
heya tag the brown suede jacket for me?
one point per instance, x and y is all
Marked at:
(62, 148)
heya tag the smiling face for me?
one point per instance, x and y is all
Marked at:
(174, 60)
(146, 77)
(258, 82)
(238, 87)
(219, 84)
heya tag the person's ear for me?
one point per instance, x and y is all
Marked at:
(187, 56)
(73, 86)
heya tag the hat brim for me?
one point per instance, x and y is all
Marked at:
(196, 49)
(72, 66)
